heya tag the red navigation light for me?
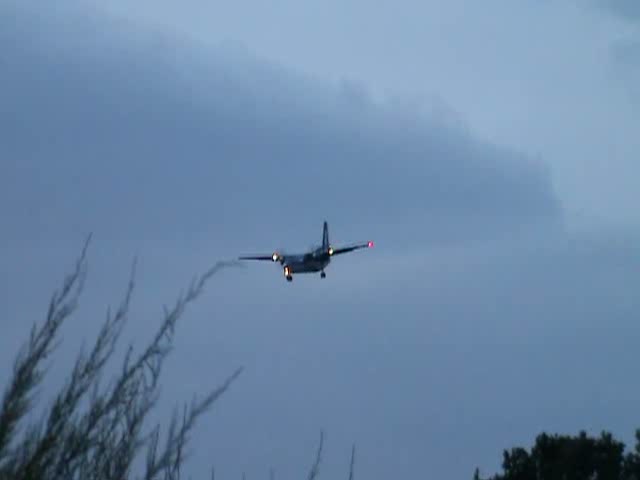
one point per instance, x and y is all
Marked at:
(370, 244)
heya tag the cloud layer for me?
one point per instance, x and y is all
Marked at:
(105, 120)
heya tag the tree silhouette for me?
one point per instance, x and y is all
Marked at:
(565, 457)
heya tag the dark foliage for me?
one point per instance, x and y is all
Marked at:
(565, 457)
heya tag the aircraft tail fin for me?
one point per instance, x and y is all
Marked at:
(325, 236)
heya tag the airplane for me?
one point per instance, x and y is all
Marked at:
(314, 261)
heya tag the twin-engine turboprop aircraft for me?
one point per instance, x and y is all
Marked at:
(311, 262)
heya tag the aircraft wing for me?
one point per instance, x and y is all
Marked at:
(338, 251)
(258, 257)
(274, 257)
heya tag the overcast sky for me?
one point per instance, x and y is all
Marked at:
(468, 140)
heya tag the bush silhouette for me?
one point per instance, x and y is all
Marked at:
(90, 432)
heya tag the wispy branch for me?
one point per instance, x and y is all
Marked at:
(102, 441)
(316, 465)
(353, 461)
(27, 373)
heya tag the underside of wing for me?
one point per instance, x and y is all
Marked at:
(257, 257)
(274, 257)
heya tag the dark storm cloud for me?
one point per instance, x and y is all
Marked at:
(106, 127)
(625, 9)
(626, 63)
(628, 53)
(625, 49)
(626, 57)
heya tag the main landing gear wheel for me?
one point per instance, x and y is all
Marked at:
(289, 278)
(323, 275)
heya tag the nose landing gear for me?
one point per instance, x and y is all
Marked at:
(323, 275)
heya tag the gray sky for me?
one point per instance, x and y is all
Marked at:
(468, 142)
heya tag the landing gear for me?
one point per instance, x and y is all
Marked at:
(323, 275)
(288, 274)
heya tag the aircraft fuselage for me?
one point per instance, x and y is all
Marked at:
(313, 262)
